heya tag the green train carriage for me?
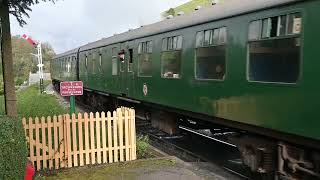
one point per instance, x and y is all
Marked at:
(251, 66)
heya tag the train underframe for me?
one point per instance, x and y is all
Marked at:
(270, 157)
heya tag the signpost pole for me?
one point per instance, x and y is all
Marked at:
(72, 105)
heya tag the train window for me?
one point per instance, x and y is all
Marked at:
(172, 43)
(211, 59)
(276, 60)
(100, 60)
(255, 30)
(140, 48)
(171, 57)
(145, 65)
(179, 42)
(86, 61)
(282, 25)
(114, 66)
(222, 35)
(149, 47)
(207, 37)
(171, 64)
(130, 62)
(164, 44)
(69, 65)
(199, 39)
(114, 52)
(144, 59)
(294, 23)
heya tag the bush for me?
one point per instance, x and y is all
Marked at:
(13, 148)
(142, 146)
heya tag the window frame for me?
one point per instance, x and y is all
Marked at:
(210, 46)
(278, 37)
(180, 75)
(149, 51)
(114, 58)
(166, 39)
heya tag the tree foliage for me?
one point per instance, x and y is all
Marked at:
(24, 62)
(20, 8)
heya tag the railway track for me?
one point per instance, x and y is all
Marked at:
(194, 146)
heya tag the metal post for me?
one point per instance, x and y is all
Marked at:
(72, 105)
(40, 66)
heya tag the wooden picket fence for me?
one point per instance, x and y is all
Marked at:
(65, 142)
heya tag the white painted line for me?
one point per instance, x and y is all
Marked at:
(186, 129)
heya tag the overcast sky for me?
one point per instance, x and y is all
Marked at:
(68, 24)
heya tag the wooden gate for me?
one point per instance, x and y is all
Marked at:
(64, 141)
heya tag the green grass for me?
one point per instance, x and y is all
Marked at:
(31, 104)
(127, 170)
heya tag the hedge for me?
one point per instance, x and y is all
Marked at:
(13, 149)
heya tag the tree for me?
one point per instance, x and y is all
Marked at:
(17, 8)
(20, 8)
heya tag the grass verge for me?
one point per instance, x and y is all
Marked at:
(31, 103)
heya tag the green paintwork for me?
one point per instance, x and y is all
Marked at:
(290, 108)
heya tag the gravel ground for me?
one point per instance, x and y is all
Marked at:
(168, 168)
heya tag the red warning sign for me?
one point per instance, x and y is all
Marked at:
(71, 88)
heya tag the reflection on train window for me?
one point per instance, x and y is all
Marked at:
(211, 54)
(171, 57)
(144, 59)
(275, 59)
(145, 65)
(171, 64)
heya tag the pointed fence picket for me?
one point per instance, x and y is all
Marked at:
(83, 139)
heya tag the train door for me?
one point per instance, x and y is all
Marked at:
(130, 68)
(123, 69)
(126, 68)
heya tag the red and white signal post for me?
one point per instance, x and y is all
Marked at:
(39, 57)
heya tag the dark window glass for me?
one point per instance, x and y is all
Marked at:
(145, 65)
(211, 62)
(274, 60)
(171, 64)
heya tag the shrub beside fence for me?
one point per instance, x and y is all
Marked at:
(64, 141)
